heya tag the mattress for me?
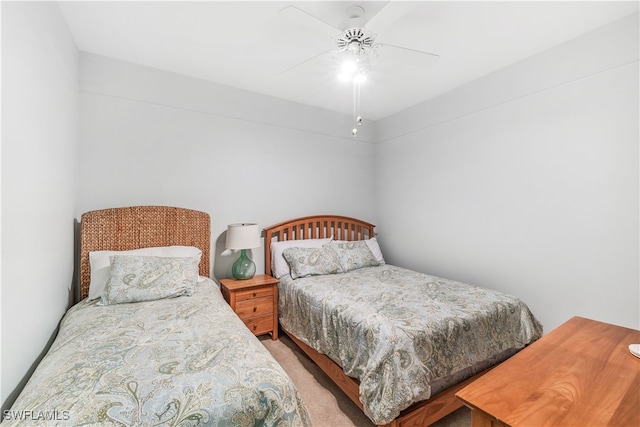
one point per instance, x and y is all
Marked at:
(401, 333)
(182, 361)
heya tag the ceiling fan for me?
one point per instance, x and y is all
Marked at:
(356, 36)
(355, 44)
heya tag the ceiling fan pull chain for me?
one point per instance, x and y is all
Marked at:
(354, 131)
(358, 118)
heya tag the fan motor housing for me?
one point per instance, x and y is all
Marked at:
(355, 39)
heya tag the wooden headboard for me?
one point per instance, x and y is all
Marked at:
(121, 229)
(315, 227)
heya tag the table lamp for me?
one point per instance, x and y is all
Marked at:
(243, 236)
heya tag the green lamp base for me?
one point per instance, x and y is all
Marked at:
(243, 268)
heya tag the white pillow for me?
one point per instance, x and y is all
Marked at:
(101, 267)
(373, 246)
(279, 266)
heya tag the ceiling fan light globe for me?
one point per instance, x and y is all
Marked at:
(349, 66)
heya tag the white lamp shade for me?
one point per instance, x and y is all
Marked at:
(243, 236)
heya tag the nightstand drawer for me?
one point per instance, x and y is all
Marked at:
(254, 307)
(260, 325)
(254, 293)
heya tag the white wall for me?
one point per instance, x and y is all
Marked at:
(526, 181)
(39, 170)
(153, 137)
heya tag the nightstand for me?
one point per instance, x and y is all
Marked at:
(255, 301)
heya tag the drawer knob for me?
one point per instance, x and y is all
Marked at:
(255, 309)
(255, 327)
(255, 293)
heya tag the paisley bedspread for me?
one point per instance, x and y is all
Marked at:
(398, 331)
(186, 361)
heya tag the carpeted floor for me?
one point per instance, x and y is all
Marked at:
(327, 404)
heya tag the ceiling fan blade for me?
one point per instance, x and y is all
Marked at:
(307, 20)
(405, 55)
(388, 15)
(305, 61)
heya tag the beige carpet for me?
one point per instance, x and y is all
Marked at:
(327, 404)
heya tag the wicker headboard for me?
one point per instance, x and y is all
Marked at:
(120, 229)
(315, 227)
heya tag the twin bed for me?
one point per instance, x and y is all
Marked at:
(144, 360)
(398, 343)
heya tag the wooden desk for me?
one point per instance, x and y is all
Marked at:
(580, 374)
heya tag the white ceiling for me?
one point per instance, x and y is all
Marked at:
(248, 44)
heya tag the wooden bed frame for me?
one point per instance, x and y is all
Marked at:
(344, 228)
(121, 229)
